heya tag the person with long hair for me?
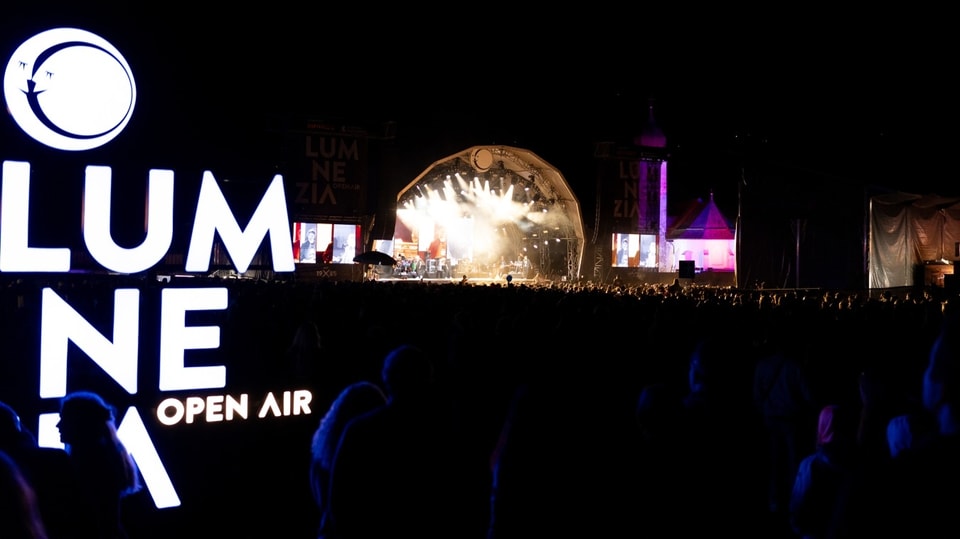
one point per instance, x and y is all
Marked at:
(823, 476)
(45, 469)
(19, 513)
(355, 400)
(104, 472)
(402, 468)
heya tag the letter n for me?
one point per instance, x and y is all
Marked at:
(60, 324)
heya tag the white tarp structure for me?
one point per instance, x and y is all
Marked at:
(907, 231)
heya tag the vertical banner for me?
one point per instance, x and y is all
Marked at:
(334, 180)
(648, 195)
(617, 190)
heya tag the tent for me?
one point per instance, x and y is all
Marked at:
(910, 237)
(704, 235)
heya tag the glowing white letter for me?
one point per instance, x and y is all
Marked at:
(136, 439)
(214, 215)
(96, 222)
(175, 337)
(164, 408)
(60, 324)
(15, 253)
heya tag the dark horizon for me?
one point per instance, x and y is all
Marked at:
(865, 116)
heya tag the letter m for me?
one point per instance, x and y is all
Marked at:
(215, 216)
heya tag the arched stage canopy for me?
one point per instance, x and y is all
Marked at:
(496, 202)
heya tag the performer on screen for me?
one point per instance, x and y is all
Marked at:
(308, 249)
(623, 255)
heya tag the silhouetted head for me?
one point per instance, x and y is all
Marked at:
(941, 379)
(837, 425)
(905, 430)
(9, 419)
(358, 398)
(407, 371)
(706, 366)
(658, 408)
(353, 401)
(84, 416)
(89, 435)
(10, 428)
(306, 338)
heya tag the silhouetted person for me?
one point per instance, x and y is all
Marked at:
(662, 448)
(304, 354)
(566, 462)
(784, 399)
(46, 469)
(103, 470)
(822, 476)
(19, 512)
(920, 492)
(725, 442)
(400, 470)
(675, 287)
(355, 400)
(617, 282)
(879, 439)
(909, 430)
(878, 406)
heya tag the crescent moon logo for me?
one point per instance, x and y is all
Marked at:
(69, 89)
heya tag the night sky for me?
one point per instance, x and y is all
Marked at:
(840, 99)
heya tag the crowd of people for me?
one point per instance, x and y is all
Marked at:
(563, 409)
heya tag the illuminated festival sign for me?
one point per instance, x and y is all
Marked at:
(71, 90)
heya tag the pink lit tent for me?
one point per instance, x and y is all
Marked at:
(704, 235)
